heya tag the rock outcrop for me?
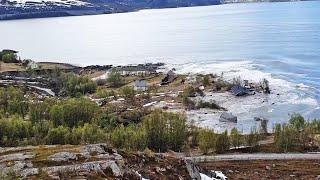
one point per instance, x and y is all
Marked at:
(94, 161)
(84, 169)
(63, 156)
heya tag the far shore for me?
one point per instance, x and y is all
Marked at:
(102, 11)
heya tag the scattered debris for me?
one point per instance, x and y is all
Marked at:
(228, 117)
(169, 78)
(140, 85)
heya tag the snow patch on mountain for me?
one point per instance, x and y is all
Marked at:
(39, 3)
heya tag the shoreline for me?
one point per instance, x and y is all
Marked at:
(71, 13)
(271, 107)
(132, 96)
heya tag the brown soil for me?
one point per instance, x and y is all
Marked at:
(266, 169)
(4, 67)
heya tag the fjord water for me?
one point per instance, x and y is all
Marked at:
(279, 41)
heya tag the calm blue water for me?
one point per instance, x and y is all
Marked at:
(277, 40)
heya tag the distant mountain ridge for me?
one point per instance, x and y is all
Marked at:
(23, 9)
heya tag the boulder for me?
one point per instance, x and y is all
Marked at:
(84, 169)
(93, 149)
(63, 156)
(228, 117)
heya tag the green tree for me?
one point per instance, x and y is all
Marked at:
(129, 93)
(91, 133)
(132, 137)
(297, 121)
(206, 80)
(222, 142)
(252, 139)
(177, 131)
(13, 131)
(39, 111)
(286, 138)
(14, 101)
(40, 130)
(207, 140)
(76, 86)
(73, 112)
(59, 135)
(165, 130)
(9, 58)
(115, 79)
(118, 137)
(235, 138)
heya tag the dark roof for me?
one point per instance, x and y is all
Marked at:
(9, 51)
(239, 90)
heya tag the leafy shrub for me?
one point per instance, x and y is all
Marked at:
(132, 137)
(207, 140)
(165, 130)
(14, 131)
(73, 112)
(59, 135)
(76, 86)
(115, 79)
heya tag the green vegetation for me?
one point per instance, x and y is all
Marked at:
(14, 130)
(207, 139)
(79, 120)
(77, 86)
(73, 120)
(115, 80)
(213, 142)
(104, 93)
(12, 101)
(206, 80)
(73, 112)
(235, 138)
(128, 92)
(132, 137)
(296, 135)
(9, 56)
(165, 131)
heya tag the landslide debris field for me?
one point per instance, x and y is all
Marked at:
(267, 169)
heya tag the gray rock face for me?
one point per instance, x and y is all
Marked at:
(29, 172)
(84, 169)
(228, 117)
(18, 165)
(14, 149)
(16, 157)
(22, 168)
(63, 156)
